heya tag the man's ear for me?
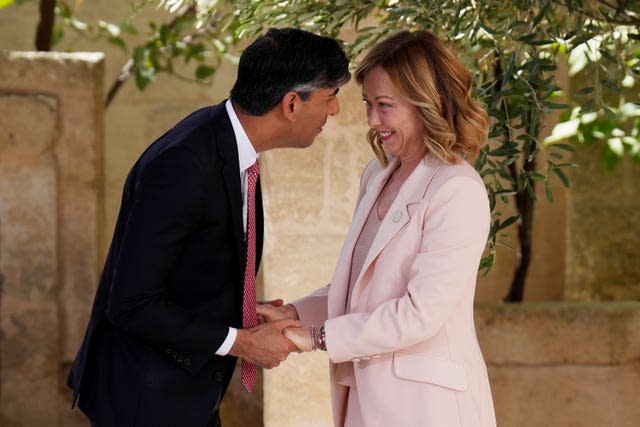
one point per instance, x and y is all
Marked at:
(290, 105)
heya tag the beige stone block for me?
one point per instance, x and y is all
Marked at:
(29, 330)
(348, 154)
(298, 392)
(299, 207)
(18, 26)
(50, 225)
(603, 225)
(352, 109)
(315, 187)
(295, 265)
(559, 333)
(588, 395)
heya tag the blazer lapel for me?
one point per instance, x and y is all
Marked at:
(340, 281)
(411, 192)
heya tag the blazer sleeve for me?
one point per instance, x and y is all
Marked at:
(312, 309)
(444, 271)
(167, 206)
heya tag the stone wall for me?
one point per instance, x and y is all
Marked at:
(60, 189)
(136, 118)
(550, 364)
(563, 364)
(603, 230)
(310, 197)
(51, 219)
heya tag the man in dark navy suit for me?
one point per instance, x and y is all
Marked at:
(166, 325)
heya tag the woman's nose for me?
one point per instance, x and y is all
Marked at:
(373, 118)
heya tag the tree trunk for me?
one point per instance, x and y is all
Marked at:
(44, 33)
(524, 209)
(524, 206)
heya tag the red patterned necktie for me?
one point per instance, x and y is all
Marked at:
(249, 319)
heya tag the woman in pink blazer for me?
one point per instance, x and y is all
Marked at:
(397, 319)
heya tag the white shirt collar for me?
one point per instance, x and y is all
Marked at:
(247, 155)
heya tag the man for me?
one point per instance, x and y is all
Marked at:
(166, 324)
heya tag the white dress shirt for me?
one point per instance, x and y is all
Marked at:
(247, 156)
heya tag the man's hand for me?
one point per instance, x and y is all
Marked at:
(270, 312)
(265, 345)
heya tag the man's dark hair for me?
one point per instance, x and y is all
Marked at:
(284, 60)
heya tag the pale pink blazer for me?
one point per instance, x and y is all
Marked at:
(411, 344)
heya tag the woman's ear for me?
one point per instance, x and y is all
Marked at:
(290, 105)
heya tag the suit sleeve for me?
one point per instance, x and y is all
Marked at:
(443, 272)
(167, 206)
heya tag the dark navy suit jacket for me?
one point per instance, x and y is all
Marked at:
(172, 284)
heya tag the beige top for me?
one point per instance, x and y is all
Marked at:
(360, 251)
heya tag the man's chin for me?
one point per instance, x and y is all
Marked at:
(305, 144)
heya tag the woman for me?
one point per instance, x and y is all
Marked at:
(397, 319)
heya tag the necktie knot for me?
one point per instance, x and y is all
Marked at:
(253, 172)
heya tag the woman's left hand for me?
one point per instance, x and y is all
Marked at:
(301, 337)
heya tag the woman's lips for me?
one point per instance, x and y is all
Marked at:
(385, 136)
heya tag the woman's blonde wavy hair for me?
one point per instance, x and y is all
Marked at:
(428, 75)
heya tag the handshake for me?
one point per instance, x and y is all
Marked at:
(279, 333)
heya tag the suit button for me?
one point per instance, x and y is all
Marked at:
(187, 363)
(217, 376)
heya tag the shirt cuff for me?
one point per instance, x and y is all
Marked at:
(228, 342)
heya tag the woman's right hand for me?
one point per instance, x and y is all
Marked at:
(269, 312)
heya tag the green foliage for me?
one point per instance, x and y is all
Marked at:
(5, 3)
(161, 47)
(617, 130)
(516, 50)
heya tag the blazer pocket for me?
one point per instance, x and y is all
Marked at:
(428, 369)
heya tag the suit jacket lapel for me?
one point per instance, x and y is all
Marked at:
(228, 154)
(259, 224)
(411, 192)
